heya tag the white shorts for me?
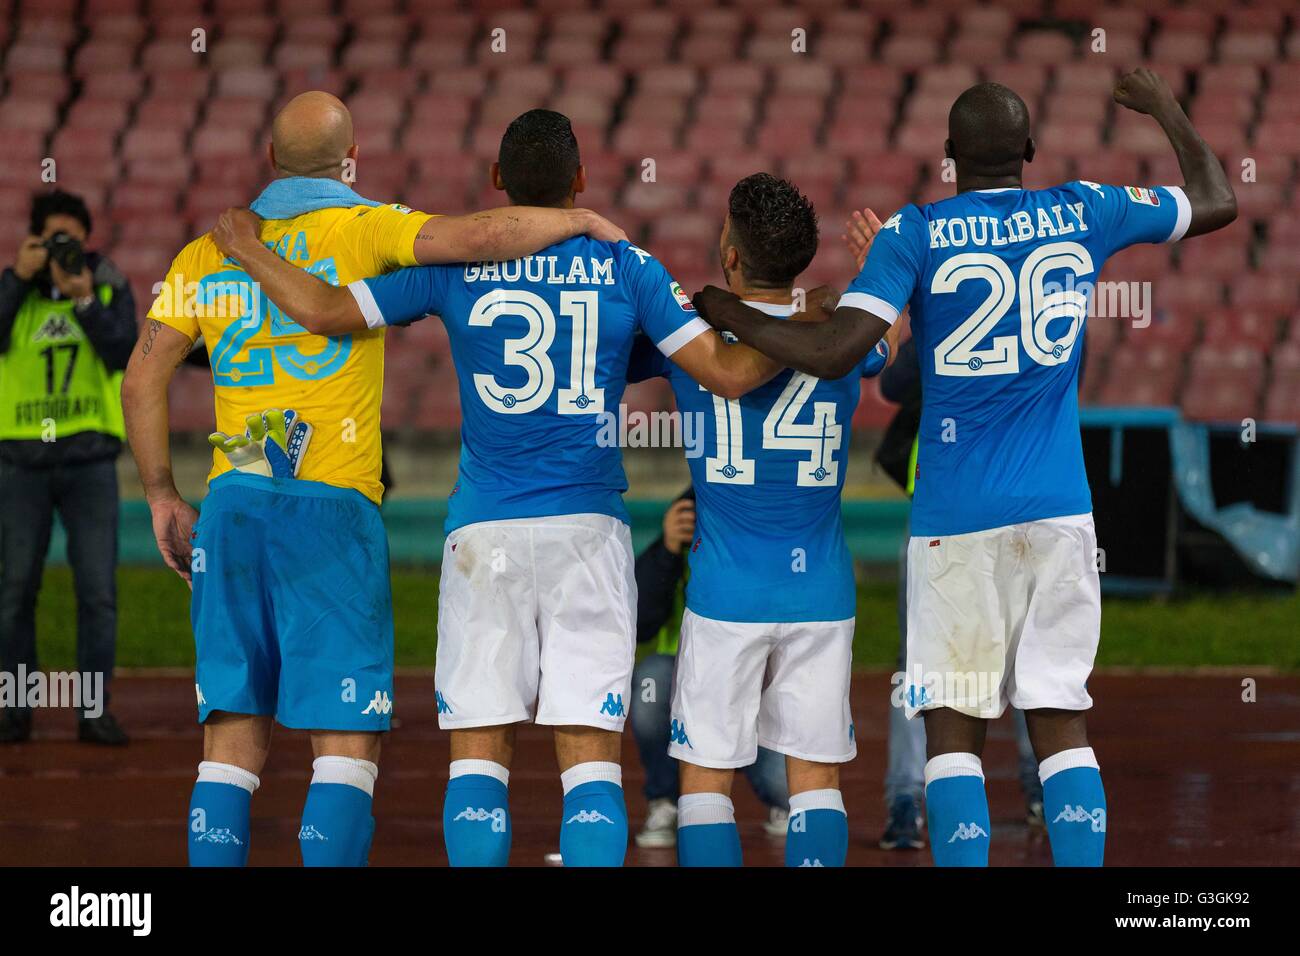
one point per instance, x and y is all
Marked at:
(537, 620)
(1011, 614)
(782, 686)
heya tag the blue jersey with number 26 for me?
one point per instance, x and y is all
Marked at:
(541, 347)
(1000, 283)
(769, 541)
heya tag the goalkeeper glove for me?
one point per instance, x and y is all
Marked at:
(273, 444)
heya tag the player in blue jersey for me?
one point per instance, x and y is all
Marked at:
(537, 604)
(1003, 591)
(767, 636)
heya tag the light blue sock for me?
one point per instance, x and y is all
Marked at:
(706, 830)
(1074, 804)
(593, 831)
(218, 830)
(476, 814)
(958, 810)
(818, 832)
(336, 821)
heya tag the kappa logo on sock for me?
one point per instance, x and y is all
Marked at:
(967, 831)
(497, 816)
(613, 705)
(381, 704)
(589, 816)
(1076, 814)
(309, 832)
(813, 862)
(220, 835)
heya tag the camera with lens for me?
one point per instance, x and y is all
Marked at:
(67, 251)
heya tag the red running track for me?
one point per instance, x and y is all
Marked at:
(1193, 775)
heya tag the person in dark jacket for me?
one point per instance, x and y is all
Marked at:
(660, 571)
(67, 328)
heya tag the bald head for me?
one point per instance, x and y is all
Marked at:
(988, 131)
(312, 136)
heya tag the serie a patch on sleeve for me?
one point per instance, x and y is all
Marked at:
(1143, 195)
(682, 298)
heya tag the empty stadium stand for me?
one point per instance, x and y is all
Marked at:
(160, 138)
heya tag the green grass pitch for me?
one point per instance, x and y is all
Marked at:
(1191, 631)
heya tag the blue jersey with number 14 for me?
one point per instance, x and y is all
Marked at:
(541, 347)
(768, 472)
(1000, 283)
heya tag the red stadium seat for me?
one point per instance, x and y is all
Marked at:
(1226, 328)
(22, 114)
(189, 83)
(1249, 46)
(1270, 293)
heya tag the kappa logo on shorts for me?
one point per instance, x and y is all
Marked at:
(381, 704)
(198, 692)
(1076, 814)
(497, 817)
(613, 705)
(916, 696)
(220, 835)
(677, 734)
(589, 816)
(443, 706)
(967, 831)
(309, 833)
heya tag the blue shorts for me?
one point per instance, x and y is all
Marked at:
(292, 612)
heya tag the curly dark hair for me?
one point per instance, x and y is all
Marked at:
(775, 228)
(538, 158)
(58, 203)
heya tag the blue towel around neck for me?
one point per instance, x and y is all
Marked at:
(297, 195)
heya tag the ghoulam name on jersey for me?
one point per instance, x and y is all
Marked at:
(541, 347)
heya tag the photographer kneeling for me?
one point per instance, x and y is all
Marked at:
(67, 328)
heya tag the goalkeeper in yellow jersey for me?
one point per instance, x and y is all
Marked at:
(288, 562)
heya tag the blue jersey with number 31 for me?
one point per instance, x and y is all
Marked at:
(999, 283)
(541, 347)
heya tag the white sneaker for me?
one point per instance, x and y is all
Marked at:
(660, 828)
(778, 821)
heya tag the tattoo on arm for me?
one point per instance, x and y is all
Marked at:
(150, 336)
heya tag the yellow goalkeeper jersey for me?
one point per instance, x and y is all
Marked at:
(261, 358)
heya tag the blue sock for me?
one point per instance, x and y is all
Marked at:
(336, 821)
(218, 830)
(593, 831)
(818, 832)
(706, 830)
(476, 814)
(958, 810)
(1074, 804)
